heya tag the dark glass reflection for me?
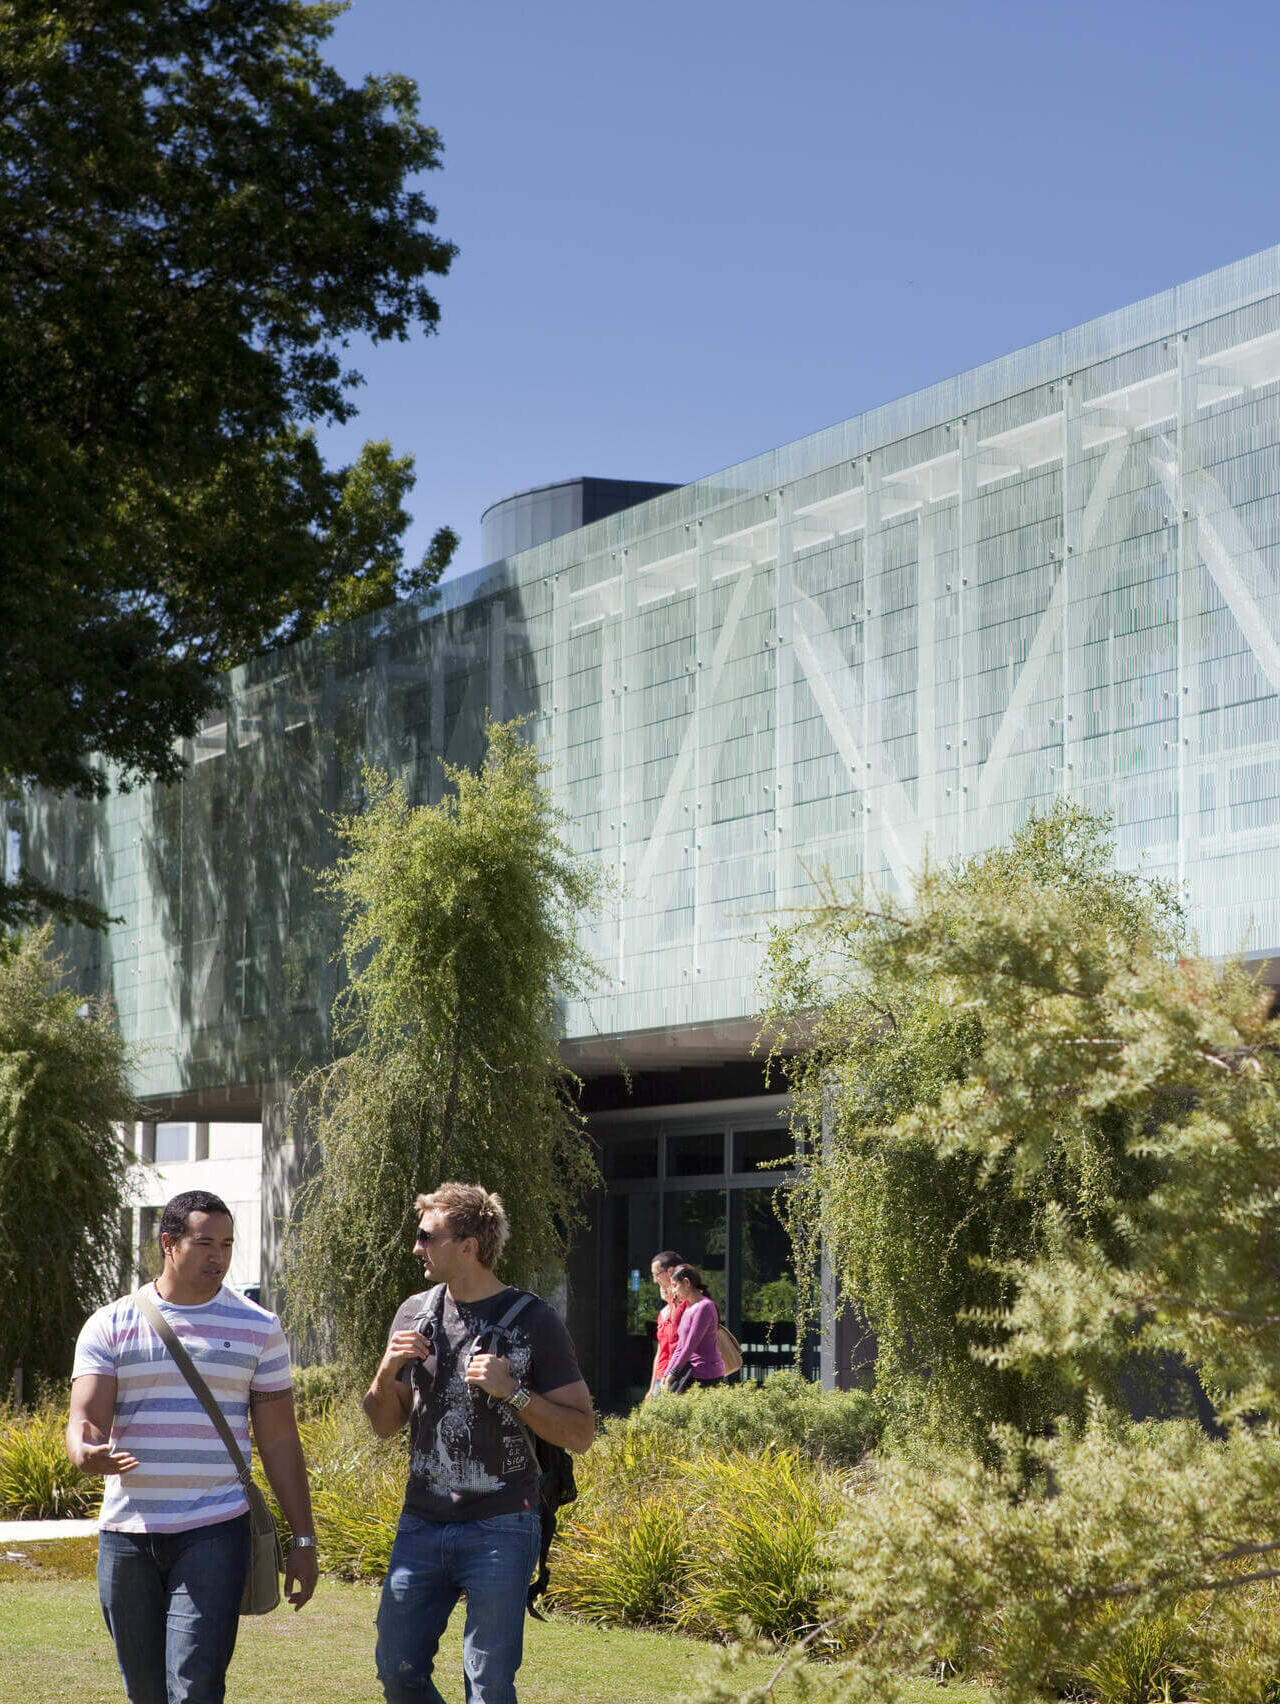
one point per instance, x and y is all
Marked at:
(758, 1150)
(699, 1154)
(695, 1225)
(630, 1304)
(636, 1156)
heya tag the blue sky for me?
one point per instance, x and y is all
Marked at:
(692, 232)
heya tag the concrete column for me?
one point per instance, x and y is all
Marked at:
(283, 1154)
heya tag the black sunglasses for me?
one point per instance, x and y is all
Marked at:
(421, 1236)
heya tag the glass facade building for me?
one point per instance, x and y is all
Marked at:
(1056, 573)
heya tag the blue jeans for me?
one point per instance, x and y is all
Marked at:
(432, 1564)
(172, 1606)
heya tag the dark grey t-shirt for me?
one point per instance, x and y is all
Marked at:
(467, 1454)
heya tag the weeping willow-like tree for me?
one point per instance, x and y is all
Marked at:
(460, 937)
(1052, 1146)
(874, 1031)
(64, 1087)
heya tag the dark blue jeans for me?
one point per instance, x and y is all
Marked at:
(172, 1606)
(432, 1564)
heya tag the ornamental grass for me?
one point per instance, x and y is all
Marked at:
(37, 1480)
(720, 1543)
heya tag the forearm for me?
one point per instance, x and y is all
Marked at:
(559, 1423)
(286, 1472)
(385, 1405)
(83, 1435)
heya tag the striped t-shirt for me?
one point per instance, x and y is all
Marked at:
(184, 1477)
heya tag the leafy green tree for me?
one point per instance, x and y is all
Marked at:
(460, 936)
(199, 213)
(869, 1031)
(63, 1087)
(1122, 1093)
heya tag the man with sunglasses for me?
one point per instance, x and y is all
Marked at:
(469, 1364)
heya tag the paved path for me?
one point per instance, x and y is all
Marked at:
(25, 1532)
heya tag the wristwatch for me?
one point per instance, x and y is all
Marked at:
(303, 1542)
(519, 1398)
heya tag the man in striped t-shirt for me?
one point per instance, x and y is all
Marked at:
(173, 1540)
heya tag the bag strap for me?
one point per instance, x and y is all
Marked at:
(433, 1312)
(434, 1308)
(517, 1307)
(186, 1366)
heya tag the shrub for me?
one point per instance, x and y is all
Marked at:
(37, 1479)
(786, 1412)
(357, 1491)
(700, 1541)
(669, 1529)
(1146, 1664)
(1216, 1648)
(315, 1388)
(624, 1562)
(756, 1543)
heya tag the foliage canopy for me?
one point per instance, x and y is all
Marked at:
(460, 934)
(1069, 1122)
(63, 1087)
(890, 1009)
(199, 214)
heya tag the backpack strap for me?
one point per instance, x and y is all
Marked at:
(433, 1310)
(517, 1307)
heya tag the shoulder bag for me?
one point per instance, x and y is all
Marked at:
(266, 1559)
(730, 1350)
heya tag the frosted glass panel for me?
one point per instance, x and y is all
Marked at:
(1057, 574)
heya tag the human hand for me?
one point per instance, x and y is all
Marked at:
(406, 1346)
(492, 1373)
(97, 1455)
(301, 1574)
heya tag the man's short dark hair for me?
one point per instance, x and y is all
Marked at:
(174, 1221)
(666, 1260)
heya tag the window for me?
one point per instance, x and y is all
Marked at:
(700, 1154)
(635, 1156)
(757, 1150)
(173, 1143)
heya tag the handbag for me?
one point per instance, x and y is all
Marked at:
(730, 1350)
(266, 1559)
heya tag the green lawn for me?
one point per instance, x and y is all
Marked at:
(53, 1646)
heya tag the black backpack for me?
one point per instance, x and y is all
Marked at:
(556, 1483)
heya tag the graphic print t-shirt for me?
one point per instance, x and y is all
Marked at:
(467, 1455)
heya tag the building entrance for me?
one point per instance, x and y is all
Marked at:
(706, 1188)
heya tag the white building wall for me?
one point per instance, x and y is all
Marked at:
(233, 1170)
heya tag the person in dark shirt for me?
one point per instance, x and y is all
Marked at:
(465, 1368)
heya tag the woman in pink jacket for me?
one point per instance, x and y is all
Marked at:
(696, 1357)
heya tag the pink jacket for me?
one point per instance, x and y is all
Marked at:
(696, 1343)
